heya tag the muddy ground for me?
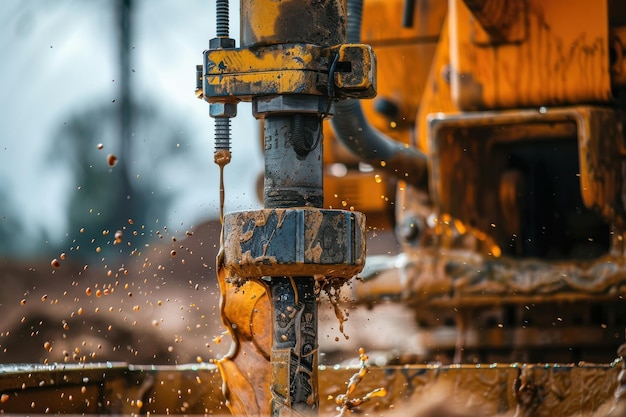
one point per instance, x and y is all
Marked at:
(158, 305)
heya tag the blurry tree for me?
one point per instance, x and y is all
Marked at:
(114, 182)
(105, 197)
(9, 223)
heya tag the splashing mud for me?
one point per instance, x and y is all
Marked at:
(347, 402)
(245, 311)
(332, 288)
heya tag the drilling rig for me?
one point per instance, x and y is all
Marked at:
(493, 149)
(484, 136)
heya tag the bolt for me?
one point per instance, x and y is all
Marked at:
(222, 134)
(222, 18)
(221, 109)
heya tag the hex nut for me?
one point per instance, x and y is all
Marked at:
(221, 109)
(294, 242)
(221, 43)
(290, 104)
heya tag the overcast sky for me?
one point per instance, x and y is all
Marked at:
(60, 57)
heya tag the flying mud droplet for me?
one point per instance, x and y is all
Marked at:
(100, 146)
(118, 237)
(111, 160)
(55, 263)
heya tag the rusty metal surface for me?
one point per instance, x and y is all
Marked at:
(503, 390)
(469, 190)
(294, 242)
(504, 21)
(563, 59)
(111, 389)
(292, 153)
(276, 69)
(602, 155)
(265, 22)
(403, 59)
(294, 382)
(360, 80)
(289, 69)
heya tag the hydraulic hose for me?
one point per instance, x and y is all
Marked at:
(353, 130)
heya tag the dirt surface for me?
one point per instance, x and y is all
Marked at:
(157, 306)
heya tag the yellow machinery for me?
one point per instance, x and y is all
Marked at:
(499, 126)
(517, 239)
(494, 151)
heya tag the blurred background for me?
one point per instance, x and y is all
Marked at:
(107, 181)
(118, 73)
(109, 197)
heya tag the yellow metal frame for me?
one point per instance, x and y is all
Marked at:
(562, 59)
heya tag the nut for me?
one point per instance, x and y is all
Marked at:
(294, 242)
(221, 43)
(221, 109)
(290, 104)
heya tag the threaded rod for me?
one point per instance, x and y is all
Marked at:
(222, 134)
(222, 18)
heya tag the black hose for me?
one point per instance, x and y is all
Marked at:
(360, 137)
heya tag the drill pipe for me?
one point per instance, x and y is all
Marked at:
(293, 179)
